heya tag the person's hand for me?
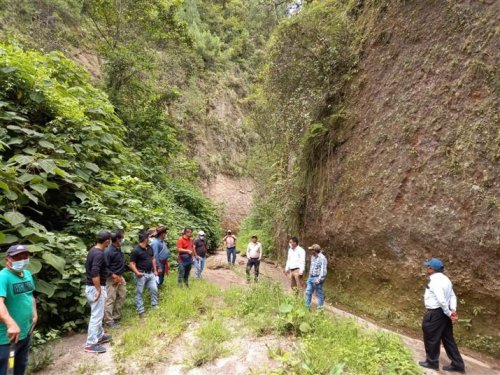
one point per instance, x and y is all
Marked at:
(13, 331)
(139, 275)
(197, 257)
(122, 280)
(301, 273)
(317, 282)
(156, 272)
(97, 294)
(454, 316)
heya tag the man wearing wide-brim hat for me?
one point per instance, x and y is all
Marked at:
(441, 304)
(18, 314)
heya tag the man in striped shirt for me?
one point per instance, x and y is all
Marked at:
(317, 275)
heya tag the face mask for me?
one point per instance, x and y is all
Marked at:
(19, 265)
(150, 241)
(122, 241)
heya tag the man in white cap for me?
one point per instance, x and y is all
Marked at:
(200, 245)
(18, 314)
(441, 304)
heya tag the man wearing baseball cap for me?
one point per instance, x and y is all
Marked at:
(441, 304)
(317, 275)
(18, 314)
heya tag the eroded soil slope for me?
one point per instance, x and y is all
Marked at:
(417, 170)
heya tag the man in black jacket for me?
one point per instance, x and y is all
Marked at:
(115, 283)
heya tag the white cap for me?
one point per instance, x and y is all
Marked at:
(201, 233)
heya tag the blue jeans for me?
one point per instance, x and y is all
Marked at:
(231, 255)
(20, 357)
(96, 313)
(199, 265)
(311, 287)
(148, 280)
(184, 271)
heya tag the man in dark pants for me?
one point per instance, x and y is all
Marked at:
(186, 254)
(437, 325)
(254, 256)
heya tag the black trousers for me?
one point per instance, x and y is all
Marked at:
(437, 327)
(255, 262)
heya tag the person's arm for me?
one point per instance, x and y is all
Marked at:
(323, 270)
(287, 265)
(453, 305)
(195, 254)
(13, 330)
(95, 273)
(35, 316)
(153, 261)
(302, 260)
(181, 250)
(260, 252)
(248, 251)
(439, 293)
(133, 265)
(134, 269)
(111, 261)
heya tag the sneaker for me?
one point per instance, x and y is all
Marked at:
(155, 307)
(111, 325)
(142, 315)
(104, 339)
(96, 348)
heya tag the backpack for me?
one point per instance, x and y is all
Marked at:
(164, 253)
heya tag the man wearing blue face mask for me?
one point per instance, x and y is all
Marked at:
(18, 314)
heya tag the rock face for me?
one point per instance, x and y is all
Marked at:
(417, 173)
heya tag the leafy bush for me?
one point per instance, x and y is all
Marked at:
(67, 173)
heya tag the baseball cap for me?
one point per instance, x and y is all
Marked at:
(201, 233)
(314, 247)
(435, 263)
(16, 249)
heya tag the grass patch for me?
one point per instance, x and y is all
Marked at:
(210, 345)
(325, 344)
(146, 341)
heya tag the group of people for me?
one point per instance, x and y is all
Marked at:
(105, 290)
(106, 287)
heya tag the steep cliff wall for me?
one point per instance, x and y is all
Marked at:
(415, 173)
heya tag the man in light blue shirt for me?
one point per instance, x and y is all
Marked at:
(317, 275)
(160, 252)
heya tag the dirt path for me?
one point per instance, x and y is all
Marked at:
(246, 353)
(224, 279)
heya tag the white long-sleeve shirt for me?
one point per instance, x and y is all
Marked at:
(254, 250)
(296, 259)
(439, 294)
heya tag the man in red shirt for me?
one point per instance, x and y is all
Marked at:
(186, 253)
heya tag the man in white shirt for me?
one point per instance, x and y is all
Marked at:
(441, 304)
(254, 256)
(296, 264)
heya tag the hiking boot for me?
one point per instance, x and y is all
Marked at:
(142, 315)
(96, 348)
(112, 325)
(452, 368)
(104, 339)
(428, 365)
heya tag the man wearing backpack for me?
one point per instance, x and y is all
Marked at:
(161, 252)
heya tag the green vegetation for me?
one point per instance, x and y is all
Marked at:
(298, 112)
(210, 345)
(325, 344)
(68, 173)
(145, 343)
